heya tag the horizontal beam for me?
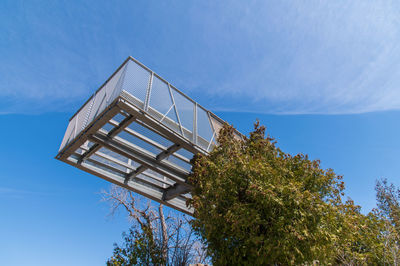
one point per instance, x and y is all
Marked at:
(161, 129)
(121, 126)
(143, 157)
(95, 125)
(150, 141)
(159, 158)
(113, 132)
(128, 166)
(152, 182)
(177, 204)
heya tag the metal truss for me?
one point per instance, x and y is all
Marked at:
(140, 132)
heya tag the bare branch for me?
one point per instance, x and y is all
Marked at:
(170, 235)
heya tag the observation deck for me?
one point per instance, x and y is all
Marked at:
(140, 132)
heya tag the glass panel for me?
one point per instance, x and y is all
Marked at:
(160, 98)
(204, 129)
(185, 112)
(161, 104)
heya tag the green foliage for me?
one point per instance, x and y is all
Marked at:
(256, 205)
(359, 238)
(138, 248)
(388, 201)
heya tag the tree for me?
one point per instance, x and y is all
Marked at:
(255, 204)
(388, 202)
(358, 239)
(153, 239)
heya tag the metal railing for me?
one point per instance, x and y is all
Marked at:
(156, 97)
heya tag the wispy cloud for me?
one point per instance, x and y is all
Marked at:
(19, 193)
(325, 57)
(257, 56)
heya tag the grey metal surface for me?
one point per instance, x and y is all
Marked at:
(140, 132)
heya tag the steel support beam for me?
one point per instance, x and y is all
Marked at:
(113, 132)
(132, 185)
(150, 141)
(175, 191)
(168, 152)
(135, 153)
(94, 126)
(135, 173)
(156, 126)
(159, 158)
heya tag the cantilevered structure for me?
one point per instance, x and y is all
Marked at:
(140, 132)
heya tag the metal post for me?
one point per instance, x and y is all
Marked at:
(76, 124)
(175, 109)
(148, 94)
(195, 123)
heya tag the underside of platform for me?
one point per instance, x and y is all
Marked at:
(140, 132)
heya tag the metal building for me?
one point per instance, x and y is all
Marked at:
(140, 132)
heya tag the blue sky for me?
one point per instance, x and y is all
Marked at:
(323, 76)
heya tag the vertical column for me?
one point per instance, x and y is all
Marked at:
(76, 124)
(148, 93)
(86, 122)
(195, 123)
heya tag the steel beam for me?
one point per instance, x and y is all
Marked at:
(94, 126)
(113, 132)
(175, 191)
(143, 157)
(150, 141)
(168, 152)
(135, 173)
(158, 127)
(159, 158)
(132, 185)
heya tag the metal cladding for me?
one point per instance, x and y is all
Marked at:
(140, 132)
